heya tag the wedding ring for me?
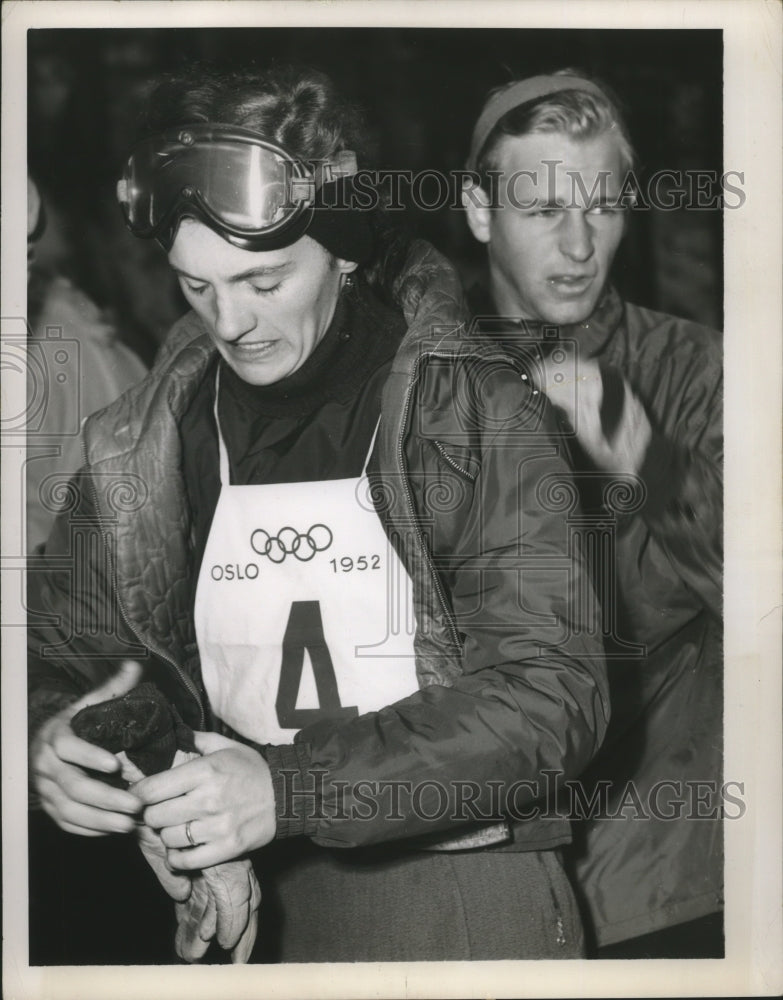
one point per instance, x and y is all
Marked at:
(188, 834)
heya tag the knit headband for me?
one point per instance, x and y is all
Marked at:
(339, 225)
(520, 93)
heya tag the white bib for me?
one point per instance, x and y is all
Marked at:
(303, 609)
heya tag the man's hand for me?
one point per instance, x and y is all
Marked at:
(577, 390)
(61, 764)
(224, 799)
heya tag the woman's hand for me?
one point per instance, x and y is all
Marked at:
(224, 799)
(62, 763)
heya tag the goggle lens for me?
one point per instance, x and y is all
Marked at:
(247, 186)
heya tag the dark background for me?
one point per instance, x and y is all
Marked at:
(422, 89)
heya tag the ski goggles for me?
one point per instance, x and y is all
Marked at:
(252, 192)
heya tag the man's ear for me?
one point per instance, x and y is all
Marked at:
(475, 201)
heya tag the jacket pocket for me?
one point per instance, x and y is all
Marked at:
(458, 460)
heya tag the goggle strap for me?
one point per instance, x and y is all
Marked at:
(342, 164)
(303, 189)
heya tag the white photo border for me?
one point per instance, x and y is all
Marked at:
(753, 309)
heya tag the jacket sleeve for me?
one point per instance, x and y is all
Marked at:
(531, 691)
(683, 475)
(76, 636)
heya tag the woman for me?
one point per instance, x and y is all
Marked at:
(384, 782)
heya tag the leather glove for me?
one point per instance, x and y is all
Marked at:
(148, 736)
(223, 902)
(220, 901)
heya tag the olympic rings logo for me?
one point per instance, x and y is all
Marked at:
(290, 542)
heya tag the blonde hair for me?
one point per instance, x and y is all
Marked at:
(581, 114)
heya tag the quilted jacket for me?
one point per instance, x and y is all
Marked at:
(644, 874)
(509, 656)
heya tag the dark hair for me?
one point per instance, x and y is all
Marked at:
(295, 106)
(577, 113)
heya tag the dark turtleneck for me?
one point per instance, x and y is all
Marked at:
(315, 424)
(592, 334)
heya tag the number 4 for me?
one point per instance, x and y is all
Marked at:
(305, 631)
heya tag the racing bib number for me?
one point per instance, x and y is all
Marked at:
(305, 632)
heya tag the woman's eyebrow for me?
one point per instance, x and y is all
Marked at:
(253, 272)
(259, 272)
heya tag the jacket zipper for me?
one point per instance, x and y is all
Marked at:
(188, 683)
(412, 515)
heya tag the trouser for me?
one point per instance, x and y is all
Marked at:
(384, 904)
(95, 901)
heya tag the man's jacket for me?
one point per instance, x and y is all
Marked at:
(649, 851)
(509, 654)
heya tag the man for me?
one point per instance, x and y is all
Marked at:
(641, 393)
(68, 326)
